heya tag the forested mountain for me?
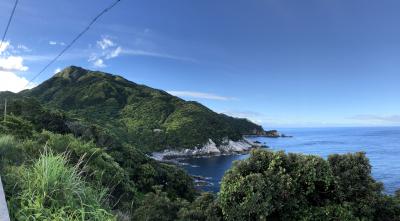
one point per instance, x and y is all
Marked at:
(148, 118)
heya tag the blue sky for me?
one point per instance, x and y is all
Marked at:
(280, 63)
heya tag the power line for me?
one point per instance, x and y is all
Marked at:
(74, 40)
(8, 23)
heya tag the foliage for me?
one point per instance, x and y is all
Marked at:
(203, 208)
(50, 189)
(126, 178)
(157, 207)
(16, 126)
(278, 186)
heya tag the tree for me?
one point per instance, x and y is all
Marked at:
(157, 207)
(203, 208)
(278, 186)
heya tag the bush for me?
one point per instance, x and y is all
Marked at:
(157, 207)
(50, 189)
(16, 126)
(204, 208)
(278, 186)
(11, 152)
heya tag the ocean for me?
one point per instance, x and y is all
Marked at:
(381, 144)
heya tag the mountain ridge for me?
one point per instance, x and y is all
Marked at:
(150, 118)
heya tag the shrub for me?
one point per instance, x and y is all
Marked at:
(278, 186)
(157, 207)
(50, 189)
(11, 152)
(203, 208)
(16, 126)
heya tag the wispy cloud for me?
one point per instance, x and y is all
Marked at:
(107, 48)
(200, 95)
(377, 118)
(54, 43)
(105, 43)
(23, 48)
(137, 52)
(114, 53)
(4, 46)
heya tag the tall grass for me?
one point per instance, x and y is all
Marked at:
(50, 189)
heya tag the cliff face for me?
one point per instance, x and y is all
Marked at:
(209, 149)
(148, 118)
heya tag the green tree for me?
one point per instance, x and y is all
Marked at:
(157, 207)
(203, 208)
(278, 186)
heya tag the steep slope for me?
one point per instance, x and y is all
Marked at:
(150, 119)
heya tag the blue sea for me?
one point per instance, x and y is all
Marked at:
(381, 144)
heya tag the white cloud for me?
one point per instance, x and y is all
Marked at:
(114, 53)
(23, 48)
(135, 52)
(99, 63)
(10, 81)
(4, 46)
(56, 43)
(57, 70)
(12, 63)
(105, 43)
(201, 95)
(108, 50)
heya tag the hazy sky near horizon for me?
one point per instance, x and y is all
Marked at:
(280, 63)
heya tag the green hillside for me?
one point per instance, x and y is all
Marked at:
(150, 119)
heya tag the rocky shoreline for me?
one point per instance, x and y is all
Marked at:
(268, 133)
(209, 149)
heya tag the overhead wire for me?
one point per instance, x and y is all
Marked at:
(8, 23)
(73, 41)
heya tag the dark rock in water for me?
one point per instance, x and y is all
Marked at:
(286, 136)
(201, 181)
(257, 142)
(198, 177)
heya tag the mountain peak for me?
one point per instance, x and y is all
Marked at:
(72, 72)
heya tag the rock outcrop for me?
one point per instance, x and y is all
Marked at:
(209, 149)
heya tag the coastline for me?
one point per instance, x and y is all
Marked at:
(228, 147)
